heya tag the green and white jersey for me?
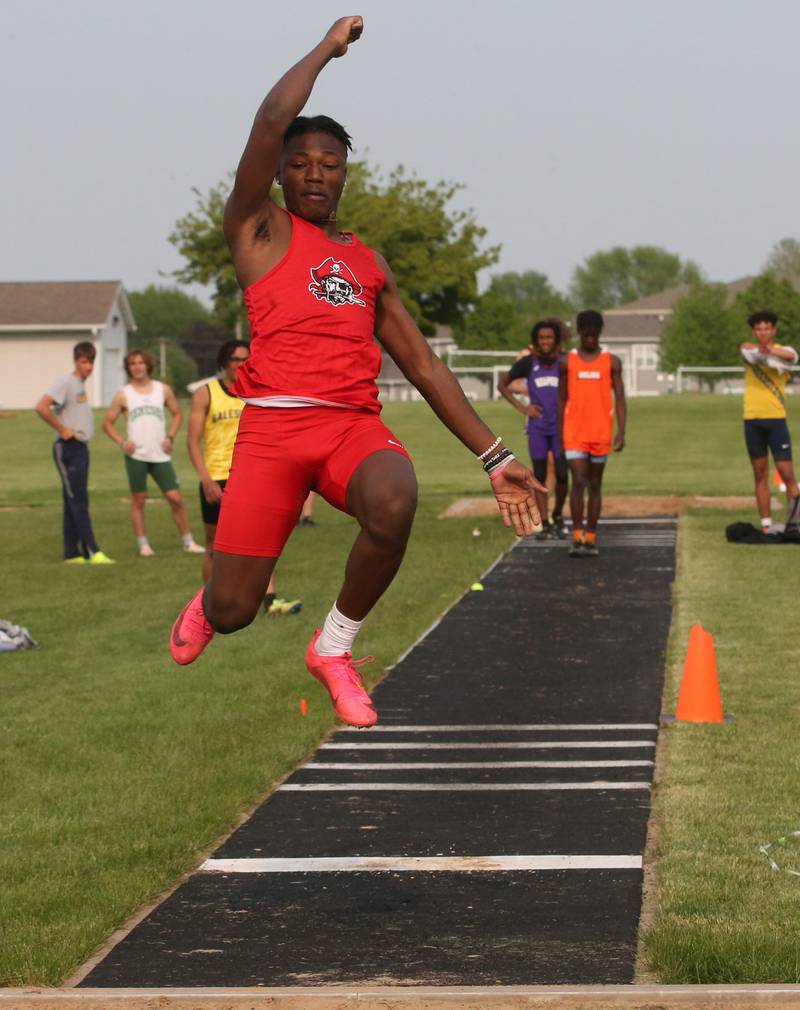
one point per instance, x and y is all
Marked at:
(146, 425)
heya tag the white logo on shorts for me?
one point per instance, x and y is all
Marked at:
(391, 441)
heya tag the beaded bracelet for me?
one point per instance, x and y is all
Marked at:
(501, 463)
(494, 445)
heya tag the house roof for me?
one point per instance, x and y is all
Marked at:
(665, 301)
(636, 326)
(46, 305)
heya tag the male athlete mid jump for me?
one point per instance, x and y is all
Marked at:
(315, 298)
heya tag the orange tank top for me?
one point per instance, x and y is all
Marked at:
(589, 412)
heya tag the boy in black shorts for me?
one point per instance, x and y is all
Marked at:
(766, 372)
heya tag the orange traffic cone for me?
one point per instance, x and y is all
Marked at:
(777, 480)
(699, 699)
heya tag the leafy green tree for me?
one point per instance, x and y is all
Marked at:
(783, 261)
(166, 314)
(506, 311)
(703, 330)
(619, 275)
(768, 292)
(435, 252)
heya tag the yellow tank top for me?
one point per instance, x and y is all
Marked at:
(219, 432)
(764, 391)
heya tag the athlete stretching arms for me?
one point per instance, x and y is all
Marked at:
(315, 298)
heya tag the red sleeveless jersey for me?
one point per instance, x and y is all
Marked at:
(312, 323)
(589, 412)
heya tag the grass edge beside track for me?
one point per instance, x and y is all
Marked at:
(718, 914)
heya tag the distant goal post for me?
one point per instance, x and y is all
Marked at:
(720, 378)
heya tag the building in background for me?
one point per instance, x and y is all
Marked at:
(41, 321)
(633, 332)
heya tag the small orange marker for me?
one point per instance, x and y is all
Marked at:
(303, 706)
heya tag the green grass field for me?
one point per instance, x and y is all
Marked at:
(120, 768)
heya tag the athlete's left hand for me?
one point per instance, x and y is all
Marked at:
(513, 488)
(619, 442)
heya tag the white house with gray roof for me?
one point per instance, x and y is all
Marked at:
(633, 332)
(41, 321)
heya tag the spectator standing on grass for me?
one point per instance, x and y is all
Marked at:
(540, 370)
(148, 446)
(766, 372)
(65, 407)
(213, 425)
(590, 388)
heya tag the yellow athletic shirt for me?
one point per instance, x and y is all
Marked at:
(764, 391)
(219, 432)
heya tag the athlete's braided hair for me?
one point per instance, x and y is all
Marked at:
(318, 124)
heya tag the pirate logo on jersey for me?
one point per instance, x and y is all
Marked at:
(335, 283)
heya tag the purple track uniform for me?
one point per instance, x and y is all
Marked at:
(542, 379)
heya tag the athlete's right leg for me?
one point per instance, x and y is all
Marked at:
(761, 478)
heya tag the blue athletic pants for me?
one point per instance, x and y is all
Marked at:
(72, 462)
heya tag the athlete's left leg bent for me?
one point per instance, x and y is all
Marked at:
(382, 495)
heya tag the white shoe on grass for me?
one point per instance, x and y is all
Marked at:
(193, 548)
(146, 551)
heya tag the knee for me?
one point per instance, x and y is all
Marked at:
(389, 518)
(227, 614)
(579, 482)
(594, 485)
(138, 498)
(174, 499)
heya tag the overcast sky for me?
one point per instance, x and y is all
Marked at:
(575, 125)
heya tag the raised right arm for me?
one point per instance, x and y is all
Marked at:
(261, 159)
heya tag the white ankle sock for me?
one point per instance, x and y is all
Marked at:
(338, 634)
(187, 539)
(142, 542)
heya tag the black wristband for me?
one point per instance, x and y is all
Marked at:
(492, 462)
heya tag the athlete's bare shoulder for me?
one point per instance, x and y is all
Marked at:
(383, 266)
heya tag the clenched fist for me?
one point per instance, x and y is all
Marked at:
(344, 31)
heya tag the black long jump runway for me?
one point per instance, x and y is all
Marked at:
(489, 830)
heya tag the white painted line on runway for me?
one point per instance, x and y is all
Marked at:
(448, 787)
(351, 864)
(545, 727)
(410, 765)
(501, 745)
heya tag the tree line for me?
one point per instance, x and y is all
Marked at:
(436, 251)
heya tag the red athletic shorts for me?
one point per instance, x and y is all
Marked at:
(281, 454)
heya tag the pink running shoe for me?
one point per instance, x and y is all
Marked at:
(191, 632)
(339, 675)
